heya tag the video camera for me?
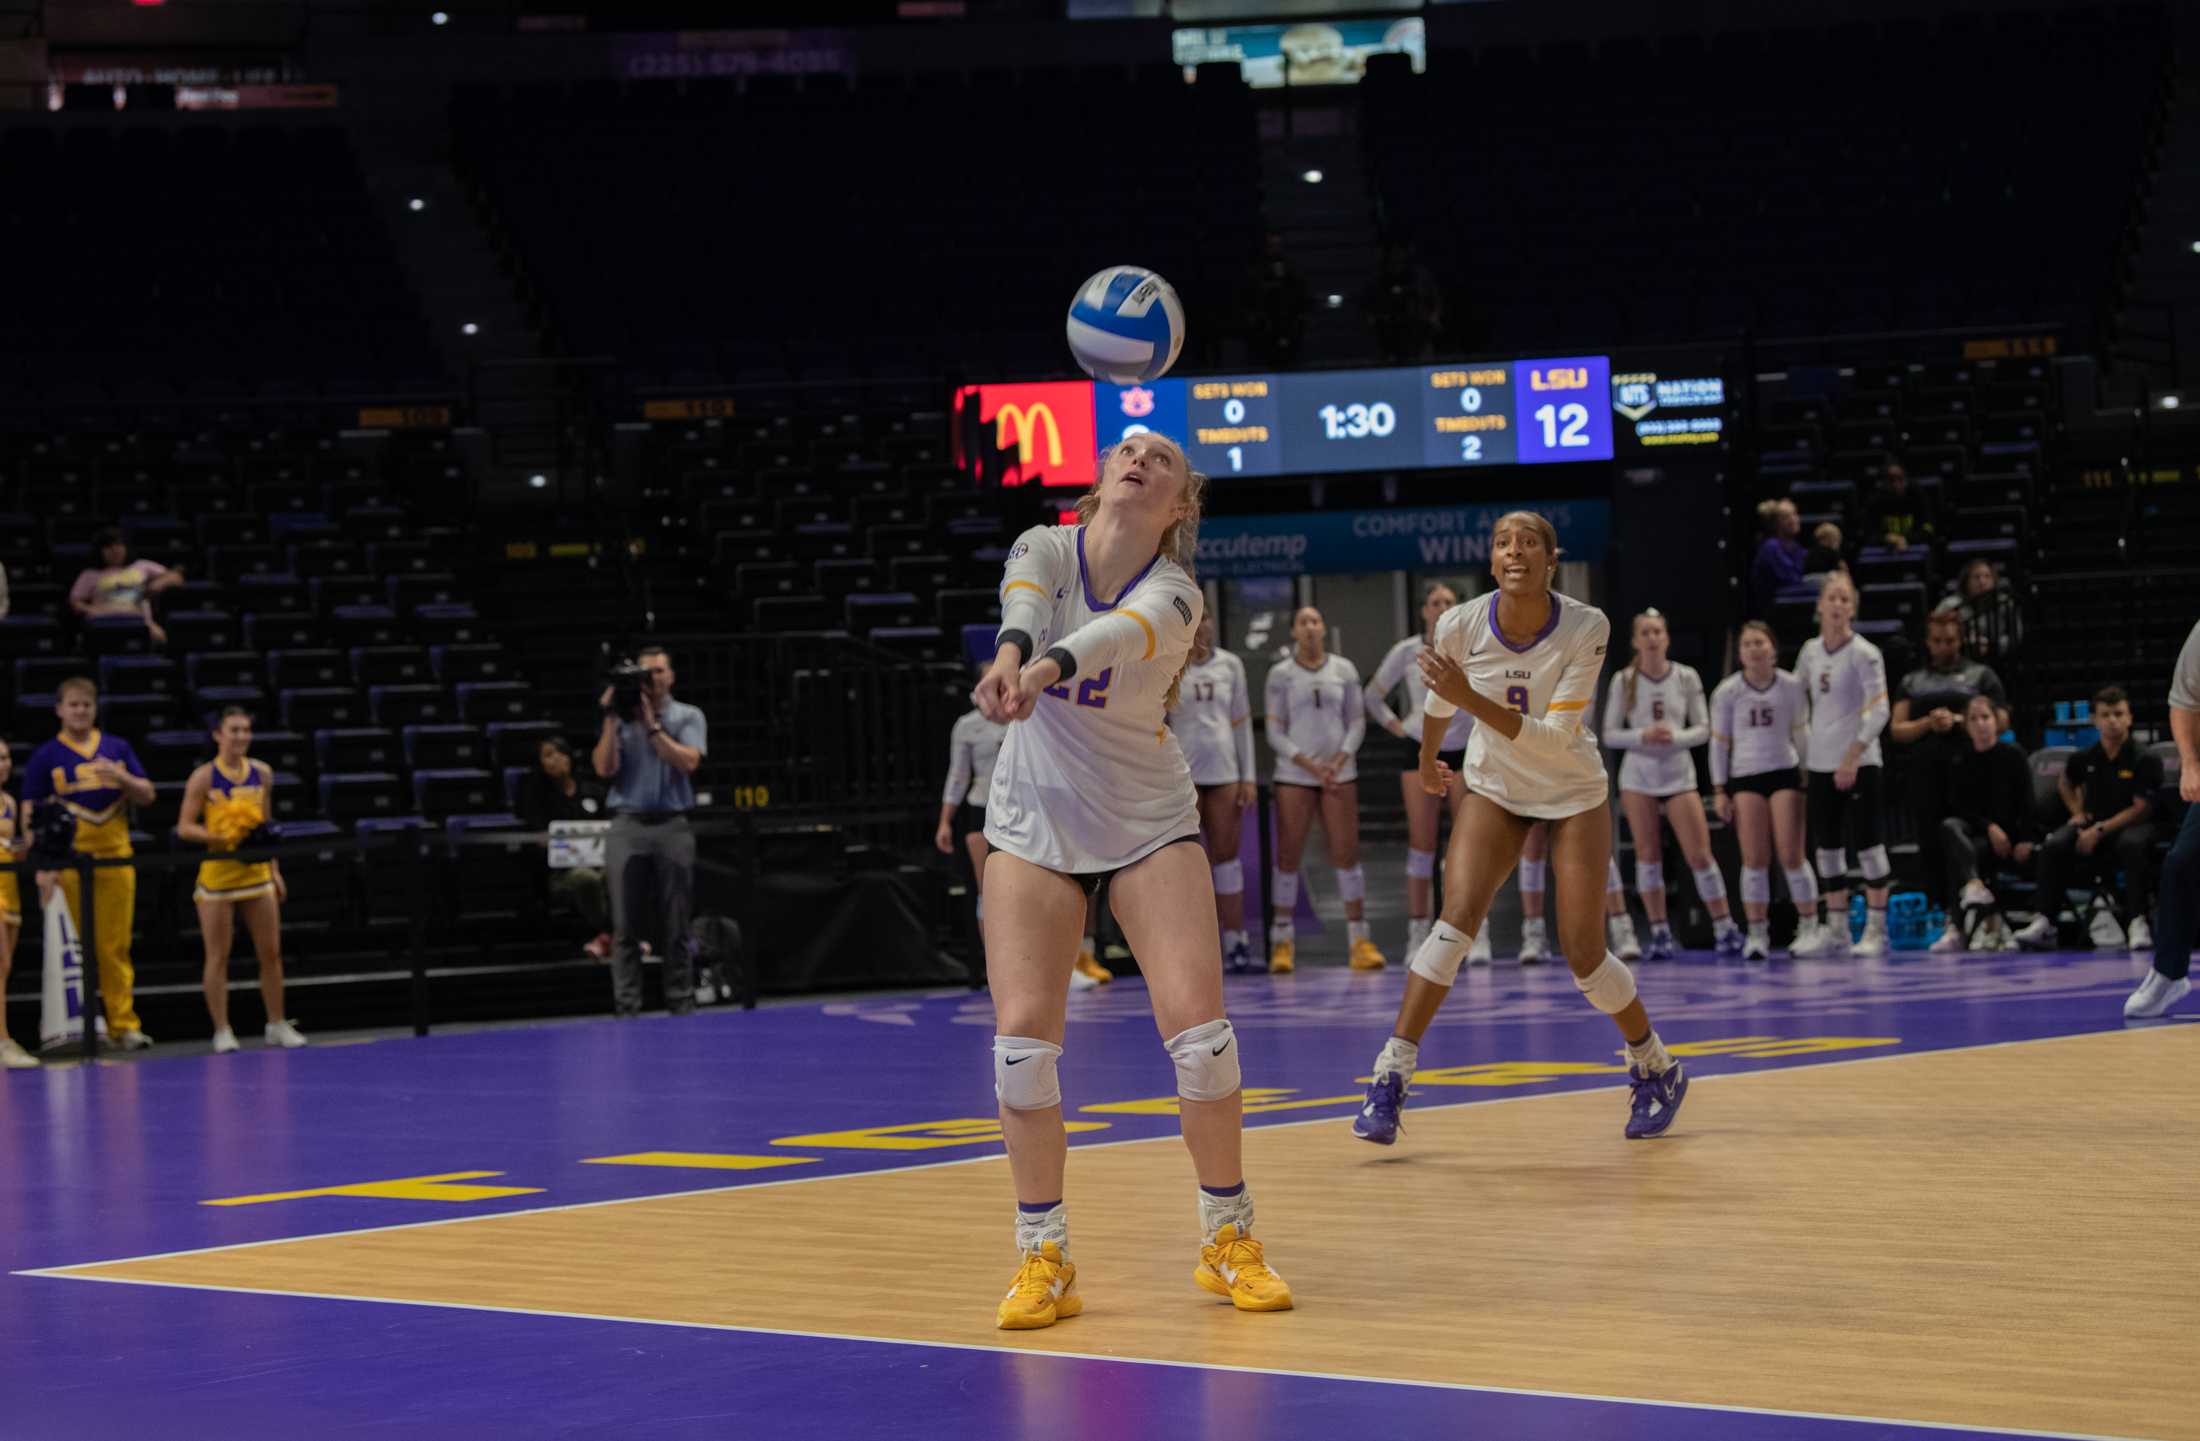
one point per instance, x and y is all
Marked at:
(628, 679)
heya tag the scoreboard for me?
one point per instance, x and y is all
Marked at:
(1456, 414)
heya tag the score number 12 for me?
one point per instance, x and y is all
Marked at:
(1564, 426)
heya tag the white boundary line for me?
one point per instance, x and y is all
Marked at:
(811, 1178)
(1333, 1376)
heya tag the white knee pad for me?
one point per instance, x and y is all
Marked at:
(1833, 866)
(1420, 864)
(1610, 987)
(1532, 876)
(1872, 860)
(1439, 956)
(1649, 876)
(1611, 875)
(1206, 1062)
(1351, 884)
(1229, 879)
(1756, 885)
(1710, 885)
(1286, 891)
(1023, 1073)
(1802, 886)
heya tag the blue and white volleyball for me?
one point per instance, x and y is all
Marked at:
(1126, 325)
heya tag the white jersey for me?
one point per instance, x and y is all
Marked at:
(971, 749)
(1847, 691)
(1400, 667)
(1213, 721)
(1674, 700)
(1553, 768)
(1755, 731)
(1093, 779)
(1315, 713)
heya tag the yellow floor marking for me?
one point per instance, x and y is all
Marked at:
(404, 1188)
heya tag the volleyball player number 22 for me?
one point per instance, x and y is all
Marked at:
(1092, 691)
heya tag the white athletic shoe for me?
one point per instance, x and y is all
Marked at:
(1534, 943)
(1815, 940)
(225, 1041)
(2141, 939)
(1620, 935)
(2107, 934)
(1479, 953)
(1871, 945)
(1951, 940)
(1079, 981)
(1975, 893)
(135, 1040)
(285, 1035)
(2156, 994)
(14, 1057)
(2040, 934)
(1757, 945)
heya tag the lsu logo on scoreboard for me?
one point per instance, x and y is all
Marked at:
(1558, 377)
(1026, 434)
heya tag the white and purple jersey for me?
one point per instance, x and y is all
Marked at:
(1552, 769)
(1401, 667)
(972, 747)
(1755, 731)
(1315, 712)
(1637, 701)
(1847, 690)
(1213, 721)
(1093, 778)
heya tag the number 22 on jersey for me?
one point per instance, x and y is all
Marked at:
(1092, 691)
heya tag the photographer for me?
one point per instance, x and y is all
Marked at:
(649, 750)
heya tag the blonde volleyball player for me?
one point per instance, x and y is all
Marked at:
(1845, 681)
(1525, 663)
(1757, 716)
(1316, 721)
(1535, 938)
(1213, 721)
(12, 1056)
(1096, 625)
(1654, 711)
(224, 801)
(1401, 667)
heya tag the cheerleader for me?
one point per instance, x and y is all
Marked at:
(1399, 667)
(1757, 716)
(1525, 663)
(224, 802)
(1844, 679)
(1317, 716)
(1654, 711)
(1097, 620)
(1213, 721)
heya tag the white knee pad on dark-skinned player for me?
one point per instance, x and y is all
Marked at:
(1206, 1062)
(1756, 885)
(1023, 1073)
(1229, 878)
(1610, 987)
(1872, 861)
(1532, 876)
(1437, 959)
(1420, 865)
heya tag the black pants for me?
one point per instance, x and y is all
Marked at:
(2131, 848)
(1924, 784)
(2180, 899)
(1962, 845)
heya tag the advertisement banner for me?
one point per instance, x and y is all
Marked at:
(1341, 542)
(1031, 434)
